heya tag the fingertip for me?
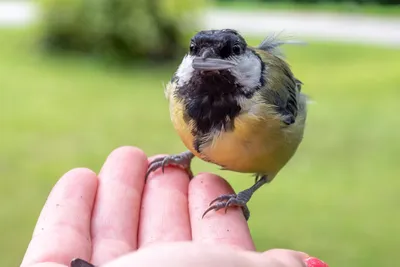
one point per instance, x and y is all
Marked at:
(169, 170)
(302, 255)
(82, 177)
(171, 176)
(131, 152)
(122, 162)
(79, 175)
(150, 159)
(209, 181)
(279, 251)
(287, 257)
(205, 187)
(86, 172)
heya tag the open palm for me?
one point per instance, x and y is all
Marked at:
(116, 219)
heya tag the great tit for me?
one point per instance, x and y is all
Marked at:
(237, 106)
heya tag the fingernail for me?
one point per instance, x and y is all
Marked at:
(314, 262)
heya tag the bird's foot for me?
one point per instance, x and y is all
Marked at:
(239, 200)
(80, 263)
(229, 200)
(182, 160)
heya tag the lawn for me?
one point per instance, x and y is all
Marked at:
(342, 8)
(338, 198)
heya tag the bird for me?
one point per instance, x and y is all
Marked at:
(236, 106)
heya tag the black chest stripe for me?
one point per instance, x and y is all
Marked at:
(210, 101)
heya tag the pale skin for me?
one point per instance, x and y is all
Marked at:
(115, 219)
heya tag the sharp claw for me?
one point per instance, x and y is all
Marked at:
(212, 202)
(164, 162)
(222, 198)
(207, 210)
(220, 205)
(227, 204)
(147, 174)
(213, 207)
(182, 160)
(153, 166)
(163, 167)
(231, 200)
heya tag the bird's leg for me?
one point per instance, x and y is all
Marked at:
(240, 199)
(80, 263)
(183, 160)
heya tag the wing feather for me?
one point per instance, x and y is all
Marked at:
(283, 88)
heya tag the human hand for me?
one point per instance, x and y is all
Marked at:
(115, 219)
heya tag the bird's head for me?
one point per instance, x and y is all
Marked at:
(215, 52)
(216, 49)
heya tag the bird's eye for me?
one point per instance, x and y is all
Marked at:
(192, 47)
(236, 49)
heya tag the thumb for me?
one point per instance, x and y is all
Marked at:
(290, 258)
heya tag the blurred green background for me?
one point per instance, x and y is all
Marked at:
(66, 106)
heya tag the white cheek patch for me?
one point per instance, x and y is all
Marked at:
(185, 70)
(248, 71)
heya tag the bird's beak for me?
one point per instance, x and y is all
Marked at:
(208, 62)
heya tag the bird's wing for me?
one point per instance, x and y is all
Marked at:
(282, 88)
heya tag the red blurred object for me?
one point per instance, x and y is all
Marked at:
(314, 262)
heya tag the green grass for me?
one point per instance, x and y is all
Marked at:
(338, 198)
(342, 8)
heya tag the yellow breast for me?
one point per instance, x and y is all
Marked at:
(182, 128)
(257, 144)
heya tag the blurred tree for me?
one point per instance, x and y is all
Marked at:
(121, 29)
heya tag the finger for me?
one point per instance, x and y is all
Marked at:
(284, 258)
(116, 213)
(216, 227)
(282, 253)
(164, 214)
(63, 228)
